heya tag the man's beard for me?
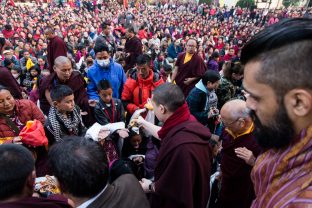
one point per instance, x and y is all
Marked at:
(278, 133)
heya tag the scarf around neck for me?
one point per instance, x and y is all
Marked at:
(181, 115)
(71, 123)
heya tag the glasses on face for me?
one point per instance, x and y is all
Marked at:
(229, 124)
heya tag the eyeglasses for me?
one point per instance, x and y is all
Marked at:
(229, 124)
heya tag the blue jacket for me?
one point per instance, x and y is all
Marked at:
(114, 74)
(172, 52)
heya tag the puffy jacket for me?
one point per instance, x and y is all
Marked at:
(25, 110)
(137, 90)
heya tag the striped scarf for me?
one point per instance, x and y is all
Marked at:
(72, 123)
(283, 178)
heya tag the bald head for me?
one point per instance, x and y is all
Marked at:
(234, 109)
(63, 68)
(61, 60)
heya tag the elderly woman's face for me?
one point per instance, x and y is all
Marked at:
(7, 102)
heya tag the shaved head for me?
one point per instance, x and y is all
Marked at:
(61, 60)
(234, 109)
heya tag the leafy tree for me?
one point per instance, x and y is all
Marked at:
(205, 2)
(245, 3)
(288, 3)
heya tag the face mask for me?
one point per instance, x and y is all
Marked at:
(103, 63)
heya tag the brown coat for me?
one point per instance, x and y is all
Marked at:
(124, 192)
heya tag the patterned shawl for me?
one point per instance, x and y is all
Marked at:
(283, 178)
(72, 123)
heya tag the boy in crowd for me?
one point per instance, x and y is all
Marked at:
(108, 109)
(64, 116)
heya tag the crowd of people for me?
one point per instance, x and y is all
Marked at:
(171, 105)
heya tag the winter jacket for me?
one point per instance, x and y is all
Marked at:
(103, 114)
(200, 100)
(25, 110)
(114, 74)
(137, 90)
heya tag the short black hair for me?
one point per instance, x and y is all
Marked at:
(99, 47)
(283, 51)
(17, 164)
(80, 165)
(59, 92)
(169, 95)
(104, 85)
(210, 76)
(131, 29)
(143, 59)
(7, 62)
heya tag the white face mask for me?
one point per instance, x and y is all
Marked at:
(103, 63)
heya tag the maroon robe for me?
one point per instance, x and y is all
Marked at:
(35, 202)
(134, 47)
(77, 84)
(236, 185)
(56, 48)
(193, 68)
(7, 80)
(183, 168)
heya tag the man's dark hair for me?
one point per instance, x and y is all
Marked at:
(59, 92)
(4, 88)
(210, 76)
(105, 24)
(17, 164)
(104, 85)
(99, 47)
(143, 59)
(284, 51)
(231, 67)
(131, 29)
(169, 95)
(7, 62)
(80, 165)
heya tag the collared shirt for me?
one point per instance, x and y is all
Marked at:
(87, 203)
(248, 131)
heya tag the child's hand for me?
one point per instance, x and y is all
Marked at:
(123, 133)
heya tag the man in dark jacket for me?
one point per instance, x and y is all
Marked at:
(90, 188)
(56, 47)
(17, 181)
(184, 161)
(202, 98)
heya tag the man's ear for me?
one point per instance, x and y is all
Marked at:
(298, 102)
(162, 109)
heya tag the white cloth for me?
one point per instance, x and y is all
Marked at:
(95, 129)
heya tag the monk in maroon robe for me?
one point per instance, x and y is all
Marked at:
(133, 48)
(56, 47)
(184, 162)
(190, 67)
(10, 82)
(236, 185)
(74, 80)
